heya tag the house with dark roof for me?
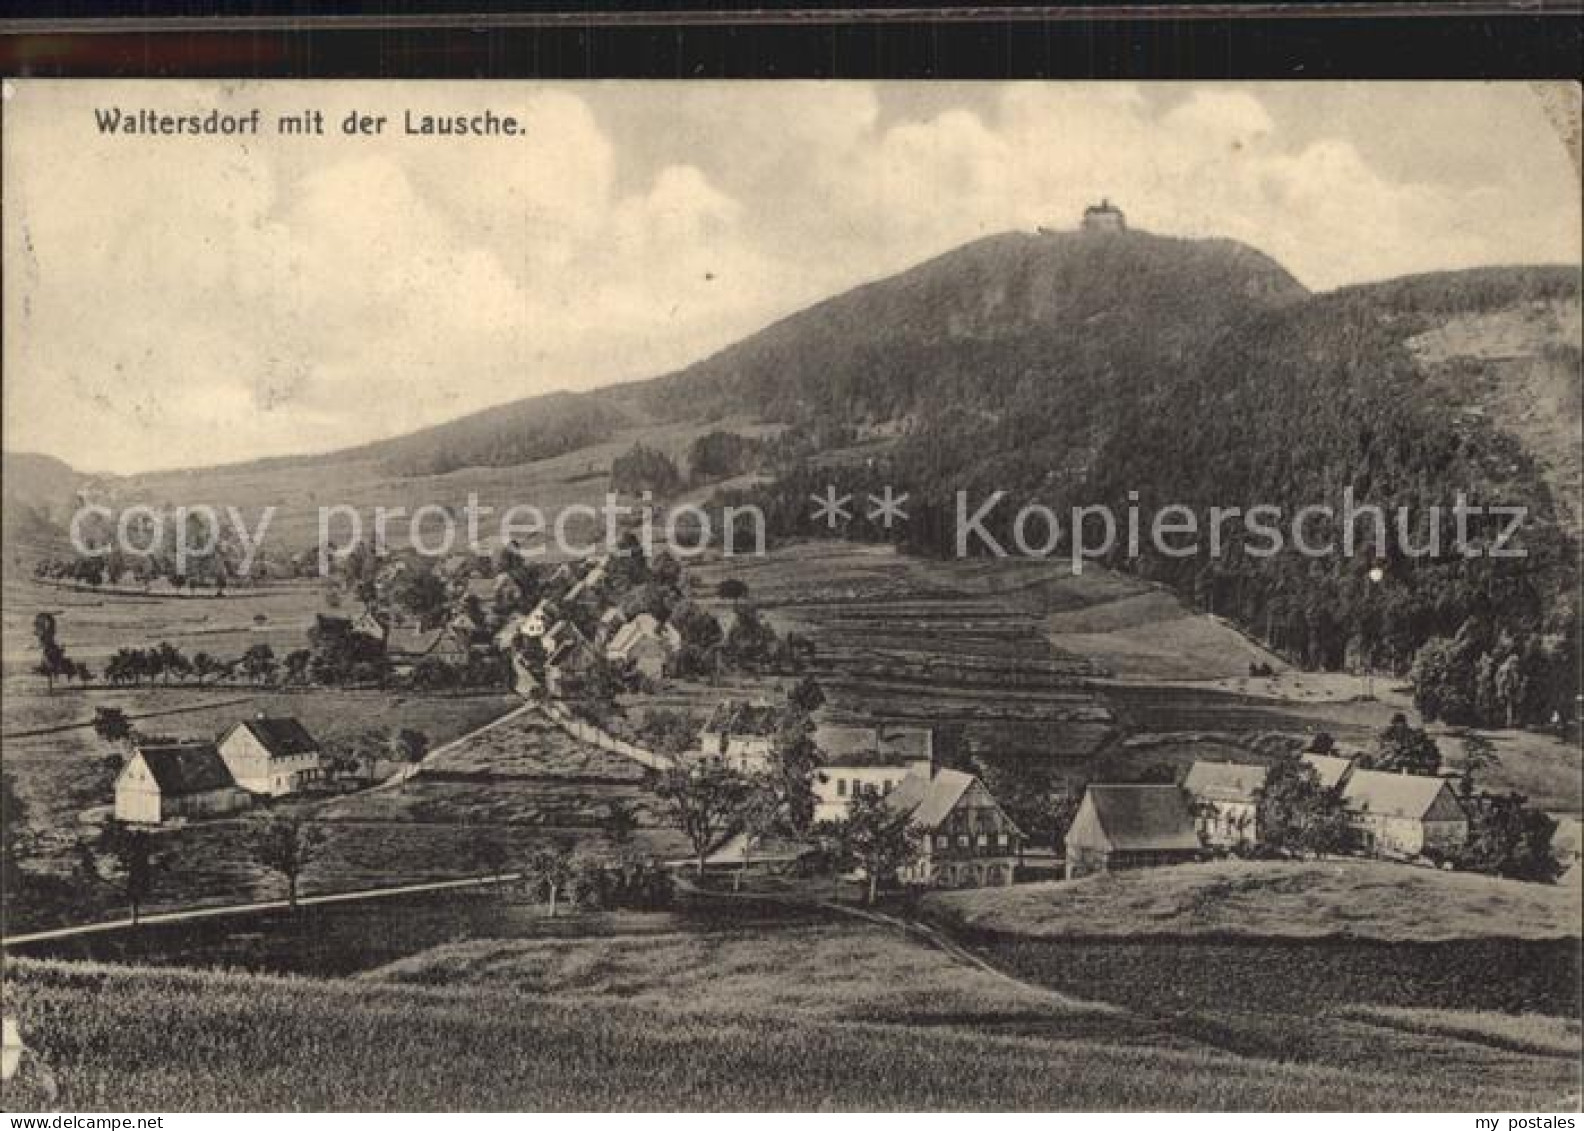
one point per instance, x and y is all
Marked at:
(965, 838)
(742, 733)
(1131, 826)
(857, 757)
(170, 780)
(1225, 802)
(271, 756)
(1404, 815)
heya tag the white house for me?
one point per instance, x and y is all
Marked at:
(187, 779)
(866, 757)
(1224, 802)
(742, 733)
(525, 626)
(645, 643)
(271, 756)
(1404, 815)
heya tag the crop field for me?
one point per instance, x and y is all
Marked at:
(902, 638)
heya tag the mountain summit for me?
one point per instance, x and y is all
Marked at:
(985, 316)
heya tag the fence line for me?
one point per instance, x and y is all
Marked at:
(594, 736)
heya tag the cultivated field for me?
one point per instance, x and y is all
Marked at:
(904, 638)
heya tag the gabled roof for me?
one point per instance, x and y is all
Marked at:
(885, 744)
(282, 737)
(930, 797)
(1398, 795)
(185, 768)
(643, 627)
(1144, 818)
(1330, 768)
(1224, 781)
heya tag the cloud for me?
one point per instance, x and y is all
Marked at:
(180, 301)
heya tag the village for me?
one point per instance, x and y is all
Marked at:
(770, 779)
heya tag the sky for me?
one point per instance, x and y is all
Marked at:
(189, 301)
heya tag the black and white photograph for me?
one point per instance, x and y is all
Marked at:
(791, 596)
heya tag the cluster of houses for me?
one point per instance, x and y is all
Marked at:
(258, 757)
(567, 653)
(966, 838)
(1215, 808)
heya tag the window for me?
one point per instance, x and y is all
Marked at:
(984, 841)
(942, 841)
(888, 784)
(962, 840)
(841, 787)
(1001, 839)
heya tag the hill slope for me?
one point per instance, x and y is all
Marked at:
(1275, 899)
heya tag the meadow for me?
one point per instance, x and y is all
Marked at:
(1273, 899)
(620, 1024)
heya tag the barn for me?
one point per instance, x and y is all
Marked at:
(187, 779)
(1404, 815)
(1131, 826)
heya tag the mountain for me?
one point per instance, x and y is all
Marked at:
(969, 327)
(37, 496)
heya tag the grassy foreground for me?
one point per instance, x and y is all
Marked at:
(256, 1042)
(1362, 899)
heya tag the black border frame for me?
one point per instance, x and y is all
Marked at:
(576, 39)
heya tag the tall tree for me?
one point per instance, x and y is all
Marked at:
(1508, 837)
(1479, 755)
(13, 820)
(52, 662)
(702, 797)
(126, 857)
(547, 873)
(286, 844)
(1296, 815)
(1406, 749)
(881, 839)
(795, 759)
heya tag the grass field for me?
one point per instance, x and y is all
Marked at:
(238, 1042)
(1149, 634)
(1364, 899)
(840, 970)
